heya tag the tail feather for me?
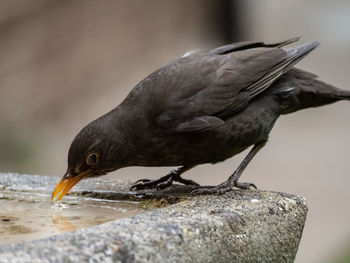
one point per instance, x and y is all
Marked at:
(294, 55)
(300, 89)
(343, 94)
(250, 44)
(285, 42)
(325, 90)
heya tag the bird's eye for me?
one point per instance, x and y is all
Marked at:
(92, 159)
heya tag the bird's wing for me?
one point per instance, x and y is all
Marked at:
(248, 45)
(212, 86)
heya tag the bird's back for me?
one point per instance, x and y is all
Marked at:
(213, 84)
(197, 100)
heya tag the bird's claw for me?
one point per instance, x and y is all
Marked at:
(142, 181)
(245, 186)
(222, 188)
(150, 184)
(163, 185)
(142, 184)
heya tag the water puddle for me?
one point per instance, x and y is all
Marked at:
(27, 215)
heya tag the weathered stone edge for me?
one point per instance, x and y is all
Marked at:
(243, 226)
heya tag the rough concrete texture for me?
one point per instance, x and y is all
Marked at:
(241, 226)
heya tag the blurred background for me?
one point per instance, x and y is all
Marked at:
(65, 63)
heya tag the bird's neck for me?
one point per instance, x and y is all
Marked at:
(125, 128)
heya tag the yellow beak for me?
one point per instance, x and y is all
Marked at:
(64, 185)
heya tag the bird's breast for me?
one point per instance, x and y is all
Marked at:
(245, 128)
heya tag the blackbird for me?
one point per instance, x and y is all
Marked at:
(201, 108)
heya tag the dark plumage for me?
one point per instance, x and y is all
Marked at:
(202, 108)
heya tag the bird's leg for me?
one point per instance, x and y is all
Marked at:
(165, 181)
(232, 181)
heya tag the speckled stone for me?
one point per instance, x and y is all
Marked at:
(241, 226)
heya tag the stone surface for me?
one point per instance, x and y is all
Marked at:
(94, 188)
(241, 226)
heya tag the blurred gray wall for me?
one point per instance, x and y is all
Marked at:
(308, 152)
(64, 63)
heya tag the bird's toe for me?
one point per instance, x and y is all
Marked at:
(204, 191)
(164, 185)
(143, 181)
(245, 186)
(143, 185)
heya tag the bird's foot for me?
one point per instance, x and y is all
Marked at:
(185, 181)
(245, 186)
(222, 188)
(161, 183)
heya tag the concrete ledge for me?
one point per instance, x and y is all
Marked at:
(242, 226)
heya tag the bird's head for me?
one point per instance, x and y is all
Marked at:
(93, 152)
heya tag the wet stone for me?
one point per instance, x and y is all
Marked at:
(28, 214)
(241, 226)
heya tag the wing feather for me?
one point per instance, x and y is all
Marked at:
(211, 86)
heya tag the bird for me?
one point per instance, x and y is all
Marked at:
(204, 107)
